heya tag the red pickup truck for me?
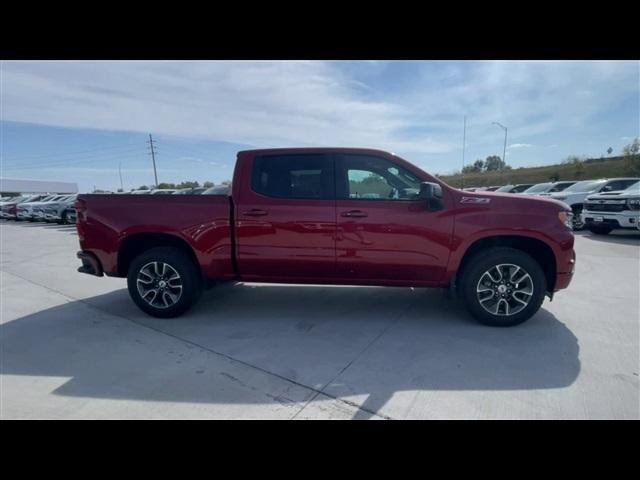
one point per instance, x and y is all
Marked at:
(332, 216)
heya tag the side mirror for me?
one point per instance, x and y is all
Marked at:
(432, 193)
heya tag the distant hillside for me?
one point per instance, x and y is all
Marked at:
(622, 166)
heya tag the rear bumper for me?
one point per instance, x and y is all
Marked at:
(90, 264)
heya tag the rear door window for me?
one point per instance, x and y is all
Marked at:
(306, 176)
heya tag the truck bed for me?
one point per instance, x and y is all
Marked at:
(107, 223)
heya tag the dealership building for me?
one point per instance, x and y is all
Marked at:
(14, 186)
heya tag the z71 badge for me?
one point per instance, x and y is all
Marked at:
(475, 200)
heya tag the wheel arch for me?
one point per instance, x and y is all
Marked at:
(138, 243)
(540, 251)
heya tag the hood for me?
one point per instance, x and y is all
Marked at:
(619, 195)
(510, 200)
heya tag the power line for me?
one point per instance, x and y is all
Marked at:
(63, 154)
(61, 162)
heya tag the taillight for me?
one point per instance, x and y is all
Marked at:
(81, 207)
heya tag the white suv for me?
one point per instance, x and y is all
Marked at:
(607, 211)
(575, 195)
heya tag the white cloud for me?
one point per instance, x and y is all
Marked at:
(304, 103)
(520, 145)
(257, 103)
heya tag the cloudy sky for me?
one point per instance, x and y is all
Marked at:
(79, 121)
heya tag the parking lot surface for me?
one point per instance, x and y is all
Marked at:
(75, 346)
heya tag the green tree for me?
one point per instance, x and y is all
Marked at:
(609, 151)
(188, 184)
(143, 187)
(494, 163)
(632, 149)
(207, 184)
(166, 185)
(631, 154)
(475, 167)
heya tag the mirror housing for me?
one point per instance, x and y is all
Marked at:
(432, 193)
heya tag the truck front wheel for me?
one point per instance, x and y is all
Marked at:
(164, 282)
(600, 230)
(502, 286)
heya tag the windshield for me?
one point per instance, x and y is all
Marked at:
(633, 188)
(540, 187)
(560, 186)
(585, 186)
(506, 188)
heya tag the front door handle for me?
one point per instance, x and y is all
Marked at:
(254, 212)
(354, 213)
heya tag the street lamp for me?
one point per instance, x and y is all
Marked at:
(504, 151)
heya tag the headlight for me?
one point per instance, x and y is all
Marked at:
(634, 204)
(566, 218)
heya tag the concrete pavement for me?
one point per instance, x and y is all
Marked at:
(75, 346)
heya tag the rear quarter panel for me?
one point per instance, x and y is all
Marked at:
(202, 221)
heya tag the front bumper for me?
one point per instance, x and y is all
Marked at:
(24, 215)
(626, 219)
(564, 279)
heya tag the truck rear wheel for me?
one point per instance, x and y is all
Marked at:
(502, 286)
(164, 282)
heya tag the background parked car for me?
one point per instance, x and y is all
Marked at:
(608, 211)
(218, 190)
(519, 188)
(34, 212)
(10, 209)
(163, 191)
(57, 211)
(190, 191)
(24, 210)
(548, 187)
(575, 195)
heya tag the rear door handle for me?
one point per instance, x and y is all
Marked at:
(354, 213)
(254, 212)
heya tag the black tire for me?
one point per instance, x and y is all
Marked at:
(190, 278)
(474, 270)
(600, 230)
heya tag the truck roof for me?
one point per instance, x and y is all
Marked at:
(302, 150)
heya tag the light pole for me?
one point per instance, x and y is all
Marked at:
(504, 151)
